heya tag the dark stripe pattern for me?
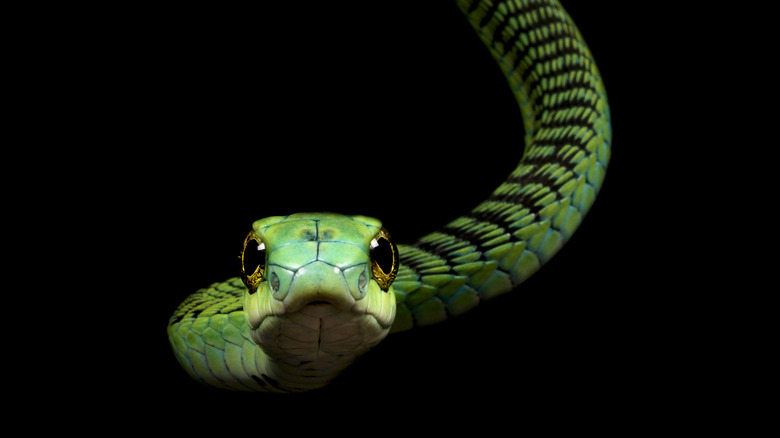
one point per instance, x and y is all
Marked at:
(527, 219)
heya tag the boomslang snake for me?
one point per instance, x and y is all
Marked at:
(317, 290)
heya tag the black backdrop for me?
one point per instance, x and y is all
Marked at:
(225, 116)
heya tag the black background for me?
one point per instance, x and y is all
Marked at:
(217, 117)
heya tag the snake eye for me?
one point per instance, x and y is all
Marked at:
(384, 259)
(252, 261)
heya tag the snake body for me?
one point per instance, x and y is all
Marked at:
(321, 296)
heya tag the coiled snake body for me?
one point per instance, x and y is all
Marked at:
(317, 290)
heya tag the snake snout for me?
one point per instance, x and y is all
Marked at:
(317, 283)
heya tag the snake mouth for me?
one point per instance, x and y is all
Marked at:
(319, 308)
(315, 307)
(341, 300)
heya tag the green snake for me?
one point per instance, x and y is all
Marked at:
(317, 290)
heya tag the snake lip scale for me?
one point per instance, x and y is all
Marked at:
(316, 291)
(343, 302)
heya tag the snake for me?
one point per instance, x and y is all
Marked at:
(315, 291)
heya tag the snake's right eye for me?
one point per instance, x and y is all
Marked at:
(252, 261)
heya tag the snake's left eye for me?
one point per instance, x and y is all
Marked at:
(384, 259)
(252, 261)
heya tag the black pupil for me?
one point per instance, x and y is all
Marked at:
(254, 256)
(383, 255)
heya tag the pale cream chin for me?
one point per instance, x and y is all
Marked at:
(309, 347)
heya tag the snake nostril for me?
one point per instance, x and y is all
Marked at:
(362, 281)
(274, 282)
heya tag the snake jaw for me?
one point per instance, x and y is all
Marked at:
(321, 329)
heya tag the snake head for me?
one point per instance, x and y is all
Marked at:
(319, 286)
